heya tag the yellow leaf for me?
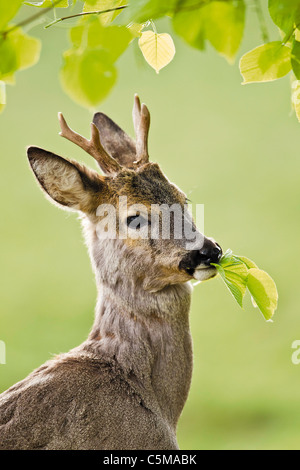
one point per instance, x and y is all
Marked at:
(263, 290)
(158, 49)
(266, 63)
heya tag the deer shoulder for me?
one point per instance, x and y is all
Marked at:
(79, 402)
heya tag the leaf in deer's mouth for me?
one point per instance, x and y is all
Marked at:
(240, 273)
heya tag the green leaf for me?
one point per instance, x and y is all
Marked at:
(8, 9)
(285, 13)
(226, 257)
(235, 278)
(49, 3)
(2, 95)
(135, 29)
(158, 49)
(27, 48)
(90, 33)
(239, 273)
(141, 11)
(18, 51)
(225, 30)
(295, 59)
(222, 23)
(88, 76)
(263, 290)
(266, 63)
(191, 27)
(248, 262)
(100, 5)
(8, 58)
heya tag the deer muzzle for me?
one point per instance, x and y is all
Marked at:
(197, 263)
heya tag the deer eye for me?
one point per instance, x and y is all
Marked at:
(136, 221)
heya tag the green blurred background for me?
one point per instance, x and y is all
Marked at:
(233, 148)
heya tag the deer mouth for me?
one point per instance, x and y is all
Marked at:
(198, 271)
(203, 273)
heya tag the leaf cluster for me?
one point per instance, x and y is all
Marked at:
(239, 274)
(104, 29)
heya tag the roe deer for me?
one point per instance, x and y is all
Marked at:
(126, 385)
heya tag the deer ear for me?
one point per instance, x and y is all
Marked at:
(115, 141)
(68, 183)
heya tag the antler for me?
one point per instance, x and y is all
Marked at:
(141, 122)
(93, 146)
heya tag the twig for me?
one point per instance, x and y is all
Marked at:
(262, 22)
(30, 19)
(84, 13)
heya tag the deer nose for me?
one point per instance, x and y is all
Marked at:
(211, 252)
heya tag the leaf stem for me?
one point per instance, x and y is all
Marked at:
(289, 34)
(153, 26)
(30, 19)
(262, 22)
(84, 13)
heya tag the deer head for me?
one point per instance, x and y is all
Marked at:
(131, 191)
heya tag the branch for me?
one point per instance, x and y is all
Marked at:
(30, 19)
(109, 10)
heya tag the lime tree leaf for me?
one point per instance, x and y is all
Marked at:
(100, 5)
(91, 33)
(239, 273)
(17, 52)
(158, 49)
(2, 95)
(49, 3)
(295, 59)
(27, 48)
(8, 9)
(191, 27)
(248, 262)
(141, 11)
(135, 29)
(296, 98)
(297, 34)
(266, 63)
(87, 76)
(285, 13)
(235, 280)
(263, 290)
(229, 260)
(222, 23)
(8, 58)
(226, 258)
(225, 30)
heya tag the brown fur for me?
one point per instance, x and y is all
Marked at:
(126, 385)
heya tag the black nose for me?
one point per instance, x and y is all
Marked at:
(211, 252)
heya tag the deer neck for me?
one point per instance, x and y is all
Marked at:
(148, 335)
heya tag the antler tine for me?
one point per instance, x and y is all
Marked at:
(141, 122)
(93, 146)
